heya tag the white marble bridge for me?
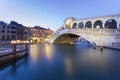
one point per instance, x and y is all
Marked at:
(99, 31)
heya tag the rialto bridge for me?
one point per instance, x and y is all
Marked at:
(100, 31)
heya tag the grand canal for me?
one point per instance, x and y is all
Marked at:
(64, 62)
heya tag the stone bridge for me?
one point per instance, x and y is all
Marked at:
(99, 31)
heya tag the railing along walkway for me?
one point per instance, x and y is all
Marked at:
(87, 30)
(13, 55)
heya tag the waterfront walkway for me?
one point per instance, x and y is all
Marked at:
(12, 52)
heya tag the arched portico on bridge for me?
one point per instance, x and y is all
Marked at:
(88, 24)
(98, 24)
(74, 25)
(109, 22)
(81, 25)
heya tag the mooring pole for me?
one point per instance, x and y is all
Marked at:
(14, 50)
(101, 48)
(26, 48)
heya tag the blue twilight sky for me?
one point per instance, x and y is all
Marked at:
(51, 13)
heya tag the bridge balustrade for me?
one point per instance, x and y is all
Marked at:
(87, 31)
(100, 31)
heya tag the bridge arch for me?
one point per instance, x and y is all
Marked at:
(68, 38)
(98, 24)
(74, 25)
(81, 25)
(88, 24)
(111, 24)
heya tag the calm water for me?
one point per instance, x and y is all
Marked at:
(65, 62)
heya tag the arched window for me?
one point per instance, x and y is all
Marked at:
(74, 25)
(88, 24)
(111, 24)
(98, 24)
(81, 25)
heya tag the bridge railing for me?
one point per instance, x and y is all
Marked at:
(59, 32)
(87, 30)
(100, 31)
(12, 52)
(14, 49)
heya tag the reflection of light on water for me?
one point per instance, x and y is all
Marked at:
(48, 53)
(34, 52)
(95, 59)
(68, 65)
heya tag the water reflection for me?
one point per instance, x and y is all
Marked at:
(48, 51)
(67, 62)
(68, 66)
(13, 68)
(95, 60)
(9, 71)
(34, 50)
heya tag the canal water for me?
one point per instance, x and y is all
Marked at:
(65, 62)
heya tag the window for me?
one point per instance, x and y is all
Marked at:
(25, 37)
(7, 36)
(14, 37)
(13, 27)
(3, 27)
(25, 32)
(3, 36)
(3, 31)
(13, 31)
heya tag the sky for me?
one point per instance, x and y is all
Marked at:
(52, 13)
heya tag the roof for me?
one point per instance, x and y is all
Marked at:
(38, 27)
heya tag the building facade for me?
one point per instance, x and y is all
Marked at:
(13, 31)
(16, 33)
(3, 30)
(39, 34)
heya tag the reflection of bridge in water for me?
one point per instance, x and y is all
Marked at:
(102, 31)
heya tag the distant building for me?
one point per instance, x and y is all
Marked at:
(17, 32)
(39, 34)
(13, 31)
(4, 30)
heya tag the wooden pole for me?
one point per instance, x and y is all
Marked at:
(14, 50)
(26, 48)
